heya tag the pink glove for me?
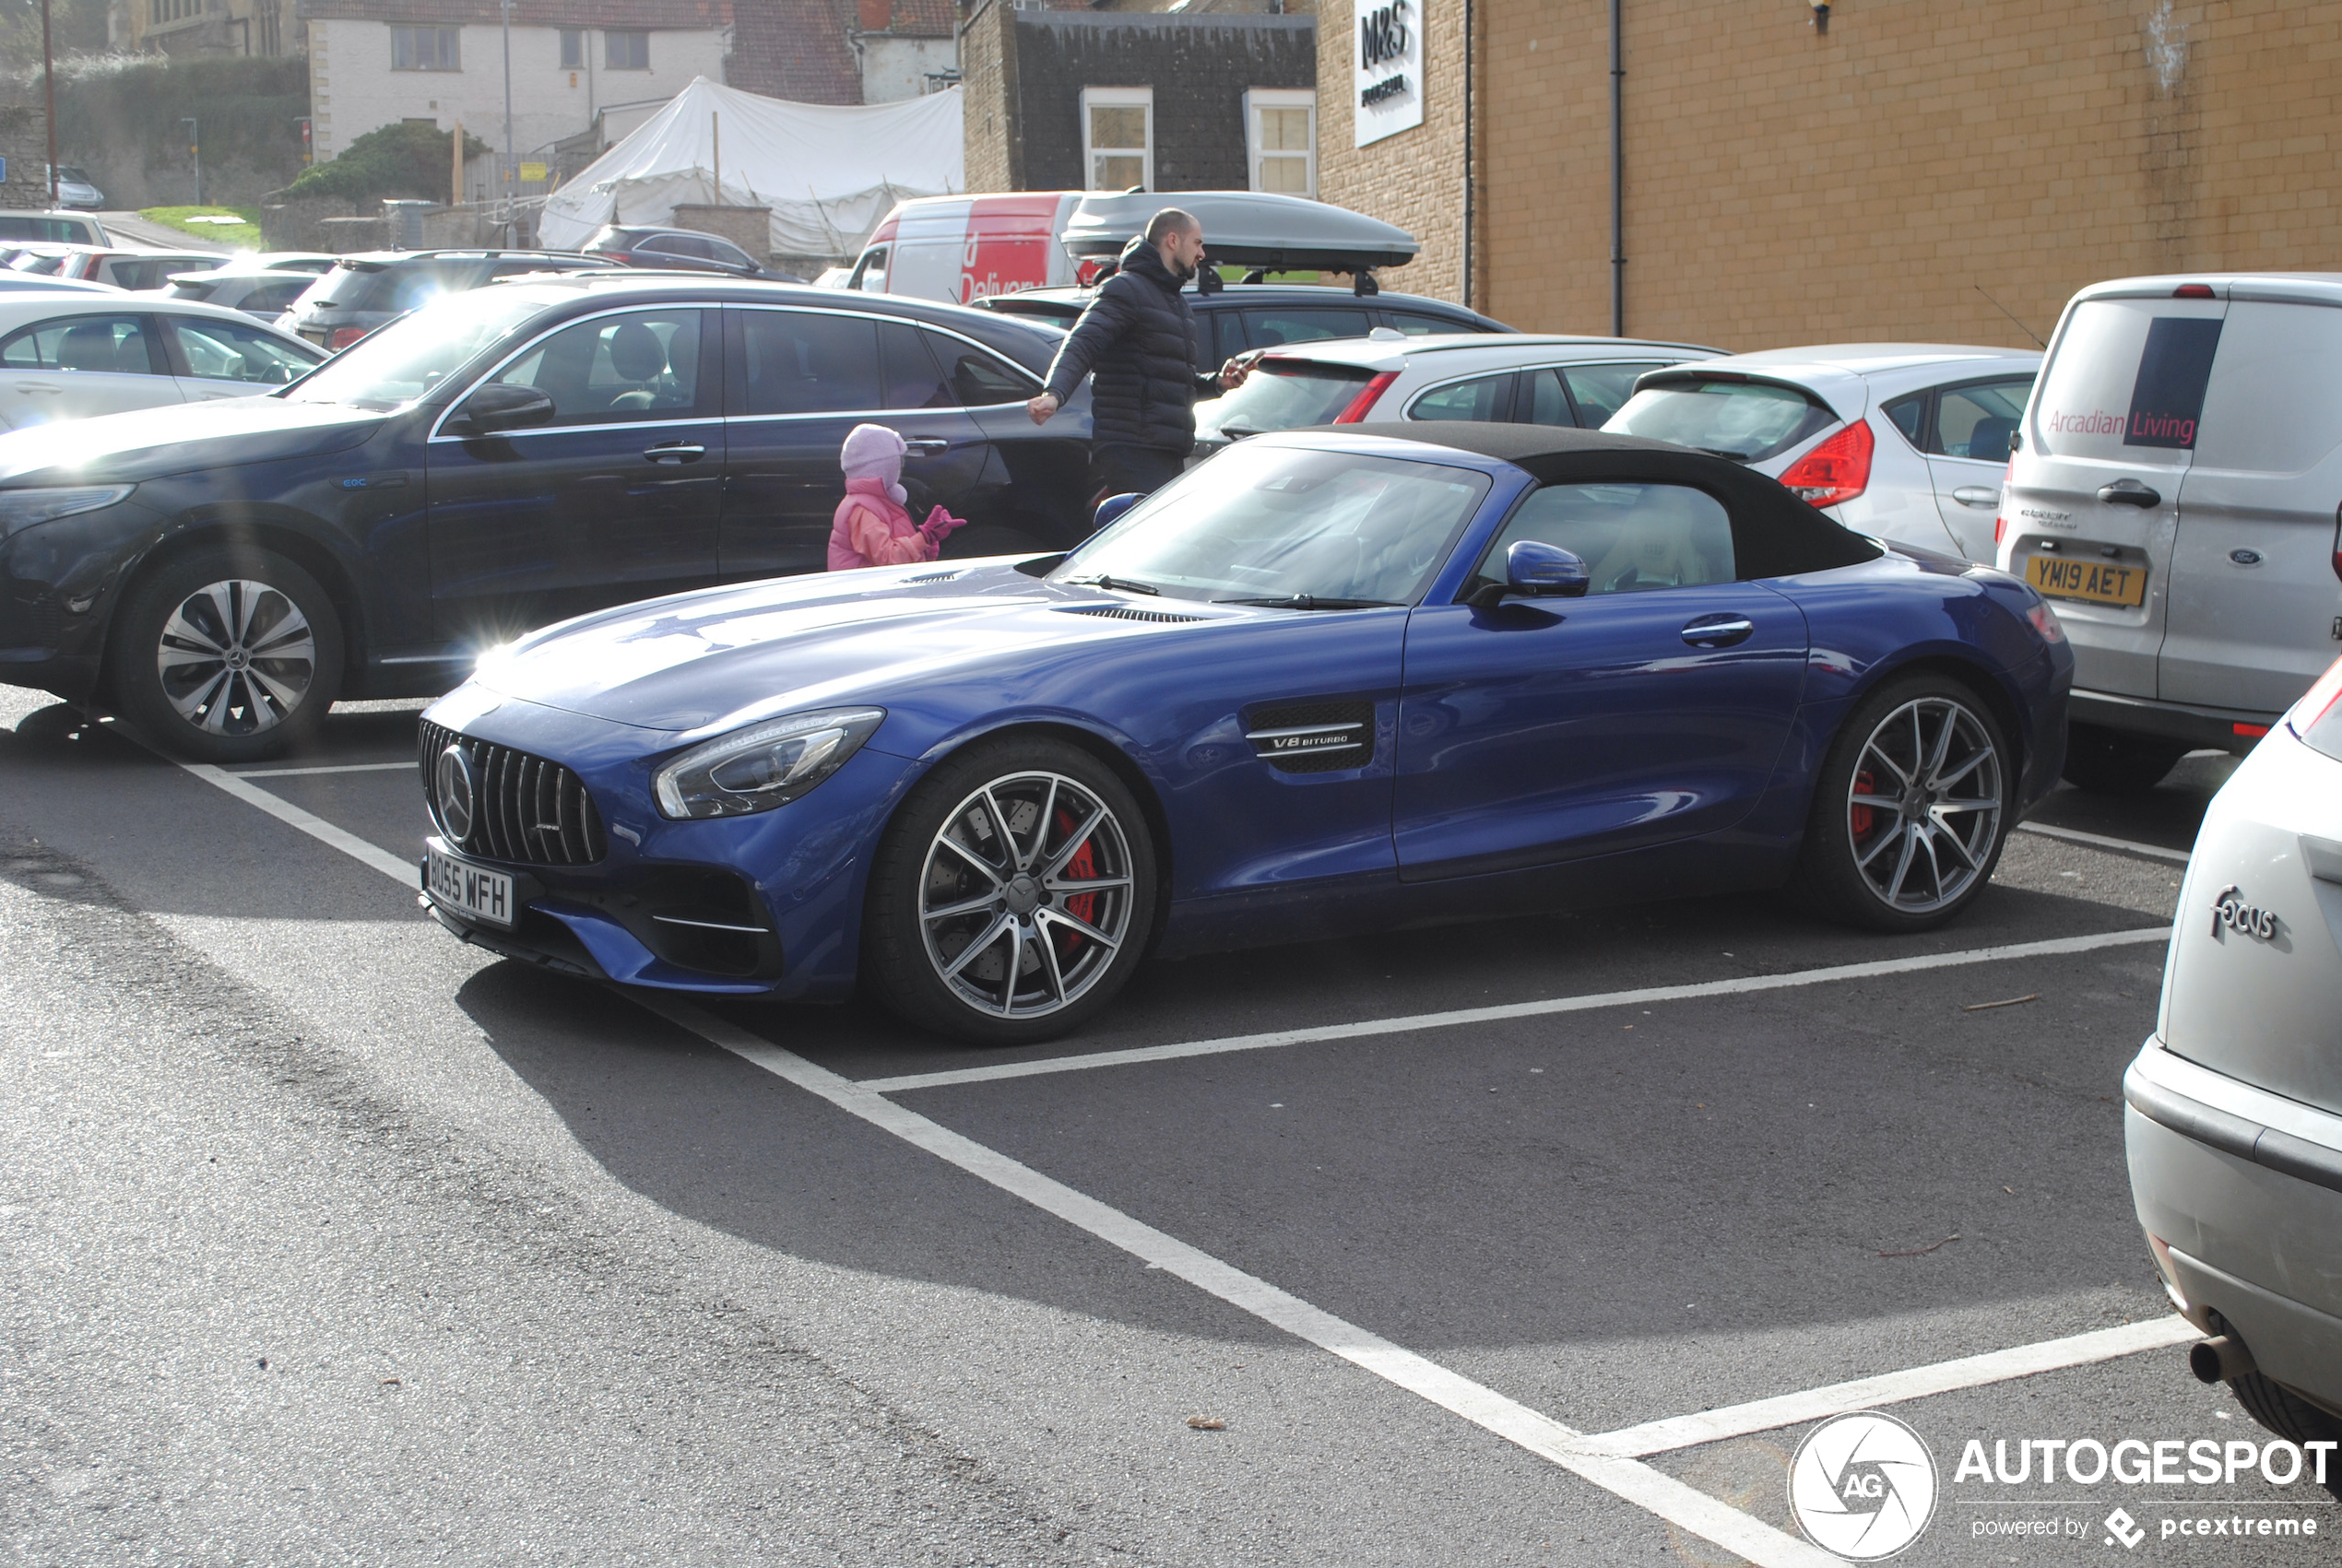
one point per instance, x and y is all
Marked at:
(939, 524)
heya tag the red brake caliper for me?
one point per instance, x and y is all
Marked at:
(1859, 818)
(1082, 906)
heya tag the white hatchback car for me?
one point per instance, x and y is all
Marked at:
(1508, 378)
(2174, 494)
(73, 355)
(2234, 1109)
(1900, 441)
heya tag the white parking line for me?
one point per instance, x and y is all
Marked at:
(2099, 840)
(1682, 1506)
(1609, 1460)
(336, 768)
(1916, 1383)
(1409, 1023)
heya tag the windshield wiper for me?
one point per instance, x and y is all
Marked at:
(1727, 452)
(1312, 602)
(1236, 432)
(1124, 584)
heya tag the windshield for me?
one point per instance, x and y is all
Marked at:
(1282, 394)
(1277, 525)
(1743, 420)
(405, 360)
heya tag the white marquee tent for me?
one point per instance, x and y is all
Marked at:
(829, 174)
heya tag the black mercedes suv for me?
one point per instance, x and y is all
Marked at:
(501, 458)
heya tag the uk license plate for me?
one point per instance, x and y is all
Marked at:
(2098, 581)
(469, 890)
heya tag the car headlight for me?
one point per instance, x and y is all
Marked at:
(764, 766)
(22, 509)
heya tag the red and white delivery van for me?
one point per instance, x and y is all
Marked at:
(958, 249)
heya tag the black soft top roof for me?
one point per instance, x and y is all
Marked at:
(1774, 533)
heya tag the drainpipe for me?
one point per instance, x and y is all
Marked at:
(1618, 179)
(1471, 48)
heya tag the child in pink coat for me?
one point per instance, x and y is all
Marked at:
(870, 528)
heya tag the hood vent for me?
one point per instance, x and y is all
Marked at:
(935, 576)
(1123, 612)
(1313, 738)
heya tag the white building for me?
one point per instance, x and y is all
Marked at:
(374, 62)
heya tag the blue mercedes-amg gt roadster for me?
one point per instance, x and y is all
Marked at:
(1330, 680)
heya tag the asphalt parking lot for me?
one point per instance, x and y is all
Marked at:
(1539, 1242)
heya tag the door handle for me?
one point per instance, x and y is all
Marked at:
(1719, 631)
(926, 446)
(2129, 492)
(675, 452)
(1977, 495)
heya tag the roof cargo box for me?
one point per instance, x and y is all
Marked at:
(1247, 228)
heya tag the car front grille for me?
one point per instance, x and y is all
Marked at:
(526, 810)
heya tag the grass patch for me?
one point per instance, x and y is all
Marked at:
(244, 234)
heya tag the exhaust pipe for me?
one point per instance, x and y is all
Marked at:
(2223, 1359)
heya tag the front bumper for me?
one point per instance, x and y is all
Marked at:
(2244, 1187)
(2202, 729)
(764, 905)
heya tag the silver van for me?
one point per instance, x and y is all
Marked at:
(2173, 489)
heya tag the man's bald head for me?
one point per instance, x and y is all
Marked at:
(1176, 235)
(1170, 222)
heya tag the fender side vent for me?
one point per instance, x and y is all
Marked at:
(1119, 612)
(1313, 738)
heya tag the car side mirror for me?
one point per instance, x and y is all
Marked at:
(499, 406)
(1534, 570)
(1112, 507)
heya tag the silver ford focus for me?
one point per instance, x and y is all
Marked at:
(2234, 1107)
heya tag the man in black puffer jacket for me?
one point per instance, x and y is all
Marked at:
(1138, 336)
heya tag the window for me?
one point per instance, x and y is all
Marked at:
(573, 48)
(1747, 420)
(680, 245)
(1602, 390)
(92, 345)
(1976, 422)
(912, 379)
(273, 297)
(978, 379)
(1117, 138)
(799, 362)
(424, 48)
(220, 350)
(626, 50)
(1485, 397)
(1302, 323)
(870, 274)
(1415, 325)
(1548, 404)
(1633, 538)
(643, 365)
(1281, 133)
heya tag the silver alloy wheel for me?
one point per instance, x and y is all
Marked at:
(236, 657)
(1025, 895)
(1924, 805)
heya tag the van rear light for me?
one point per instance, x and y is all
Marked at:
(1362, 404)
(342, 338)
(2000, 512)
(2337, 541)
(2193, 291)
(1837, 470)
(1089, 271)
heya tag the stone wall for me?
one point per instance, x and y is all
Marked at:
(750, 228)
(24, 142)
(1024, 72)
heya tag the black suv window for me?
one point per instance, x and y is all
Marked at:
(912, 379)
(642, 365)
(979, 380)
(1272, 324)
(801, 362)
(1414, 324)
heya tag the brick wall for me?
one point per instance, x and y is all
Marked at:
(1875, 182)
(1786, 187)
(1415, 178)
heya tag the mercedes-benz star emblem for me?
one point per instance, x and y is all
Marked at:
(455, 804)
